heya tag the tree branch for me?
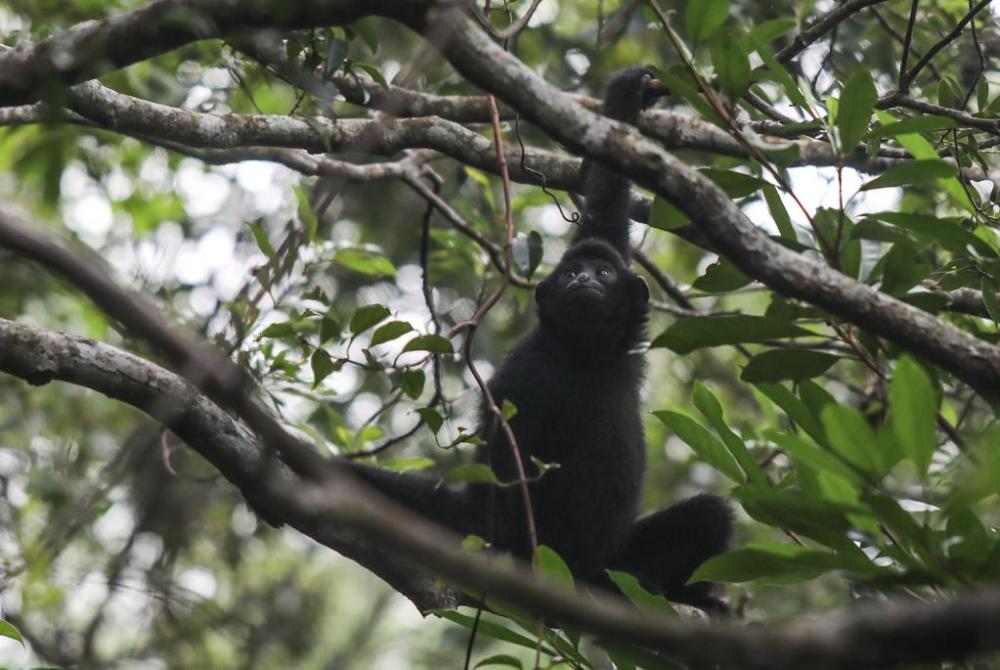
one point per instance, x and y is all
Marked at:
(822, 26)
(32, 71)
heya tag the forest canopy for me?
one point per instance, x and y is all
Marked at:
(246, 242)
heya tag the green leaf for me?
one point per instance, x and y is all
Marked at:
(470, 472)
(989, 289)
(328, 328)
(779, 213)
(768, 31)
(276, 330)
(780, 364)
(629, 658)
(735, 184)
(508, 410)
(796, 410)
(852, 437)
(776, 564)
(408, 464)
(550, 563)
(711, 409)
(499, 659)
(412, 383)
(921, 149)
(366, 317)
(490, 629)
(665, 216)
(322, 366)
(374, 73)
(902, 524)
(821, 520)
(721, 276)
(915, 124)
(366, 29)
(306, 213)
(702, 442)
(946, 231)
(688, 334)
(814, 457)
(9, 630)
(430, 416)
(435, 344)
(682, 85)
(912, 172)
(527, 251)
(364, 261)
(902, 269)
(263, 243)
(731, 66)
(778, 72)
(390, 331)
(815, 397)
(336, 54)
(639, 596)
(855, 109)
(705, 17)
(914, 412)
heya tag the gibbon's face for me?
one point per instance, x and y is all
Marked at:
(591, 290)
(587, 278)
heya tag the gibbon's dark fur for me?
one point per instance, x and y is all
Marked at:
(575, 381)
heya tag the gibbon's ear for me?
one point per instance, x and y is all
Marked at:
(640, 290)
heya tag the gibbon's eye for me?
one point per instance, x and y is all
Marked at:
(569, 273)
(604, 271)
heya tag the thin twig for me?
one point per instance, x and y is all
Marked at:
(908, 78)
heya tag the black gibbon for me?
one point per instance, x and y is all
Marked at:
(575, 382)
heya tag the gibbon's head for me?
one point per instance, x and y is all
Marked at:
(593, 296)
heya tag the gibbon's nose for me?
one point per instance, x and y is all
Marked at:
(582, 278)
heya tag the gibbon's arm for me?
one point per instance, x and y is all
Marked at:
(605, 215)
(425, 494)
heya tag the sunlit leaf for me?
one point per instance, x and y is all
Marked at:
(705, 17)
(721, 276)
(914, 412)
(390, 331)
(323, 366)
(709, 406)
(703, 443)
(412, 383)
(364, 261)
(776, 564)
(550, 563)
(470, 472)
(689, 334)
(639, 596)
(433, 343)
(366, 317)
(781, 364)
(8, 629)
(855, 110)
(911, 172)
(263, 243)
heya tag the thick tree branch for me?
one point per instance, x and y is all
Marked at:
(31, 72)
(40, 356)
(216, 138)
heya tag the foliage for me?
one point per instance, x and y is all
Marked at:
(860, 468)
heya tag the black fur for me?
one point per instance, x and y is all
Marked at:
(575, 382)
